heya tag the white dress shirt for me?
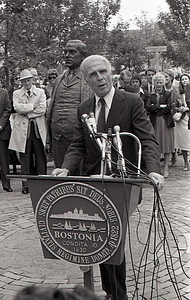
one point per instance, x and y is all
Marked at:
(108, 102)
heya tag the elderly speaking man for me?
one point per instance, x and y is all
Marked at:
(29, 127)
(70, 89)
(127, 111)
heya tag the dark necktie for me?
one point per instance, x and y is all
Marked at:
(29, 93)
(101, 118)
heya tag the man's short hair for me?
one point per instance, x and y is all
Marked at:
(79, 45)
(137, 76)
(127, 72)
(87, 59)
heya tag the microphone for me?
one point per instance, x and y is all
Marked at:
(121, 160)
(108, 149)
(85, 119)
(93, 121)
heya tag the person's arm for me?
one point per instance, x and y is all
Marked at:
(143, 129)
(150, 105)
(19, 106)
(158, 179)
(150, 149)
(39, 108)
(60, 172)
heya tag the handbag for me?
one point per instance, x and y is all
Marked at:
(177, 116)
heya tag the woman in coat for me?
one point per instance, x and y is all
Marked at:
(159, 106)
(182, 127)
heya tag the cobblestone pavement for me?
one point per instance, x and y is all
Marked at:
(22, 262)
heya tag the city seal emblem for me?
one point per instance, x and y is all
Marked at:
(78, 223)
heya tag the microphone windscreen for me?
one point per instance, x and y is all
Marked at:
(84, 117)
(116, 128)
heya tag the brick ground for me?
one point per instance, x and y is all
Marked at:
(22, 262)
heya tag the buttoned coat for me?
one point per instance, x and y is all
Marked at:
(5, 111)
(86, 93)
(127, 111)
(27, 108)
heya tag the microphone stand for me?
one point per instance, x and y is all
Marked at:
(139, 148)
(103, 141)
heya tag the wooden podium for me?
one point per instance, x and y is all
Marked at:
(83, 220)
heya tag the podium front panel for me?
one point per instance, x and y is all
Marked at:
(82, 220)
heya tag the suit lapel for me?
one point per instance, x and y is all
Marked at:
(117, 107)
(90, 105)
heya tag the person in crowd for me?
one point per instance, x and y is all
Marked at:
(14, 85)
(36, 79)
(29, 127)
(51, 293)
(136, 84)
(37, 83)
(184, 82)
(143, 80)
(115, 79)
(150, 72)
(111, 106)
(169, 86)
(125, 81)
(70, 89)
(5, 131)
(52, 74)
(159, 107)
(182, 127)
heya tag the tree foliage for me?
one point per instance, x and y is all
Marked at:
(34, 32)
(175, 26)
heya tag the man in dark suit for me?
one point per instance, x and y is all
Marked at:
(69, 90)
(150, 72)
(127, 111)
(5, 131)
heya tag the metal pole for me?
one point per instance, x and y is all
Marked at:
(157, 61)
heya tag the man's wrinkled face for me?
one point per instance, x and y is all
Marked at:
(73, 57)
(27, 83)
(98, 75)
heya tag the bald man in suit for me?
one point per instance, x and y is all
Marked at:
(127, 111)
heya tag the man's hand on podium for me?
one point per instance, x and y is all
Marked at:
(60, 172)
(158, 179)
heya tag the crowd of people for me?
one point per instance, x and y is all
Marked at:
(40, 124)
(39, 119)
(165, 96)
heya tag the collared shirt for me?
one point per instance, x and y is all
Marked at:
(108, 100)
(32, 92)
(140, 92)
(150, 88)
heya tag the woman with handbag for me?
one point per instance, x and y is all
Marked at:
(159, 106)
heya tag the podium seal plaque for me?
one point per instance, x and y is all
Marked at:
(78, 223)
